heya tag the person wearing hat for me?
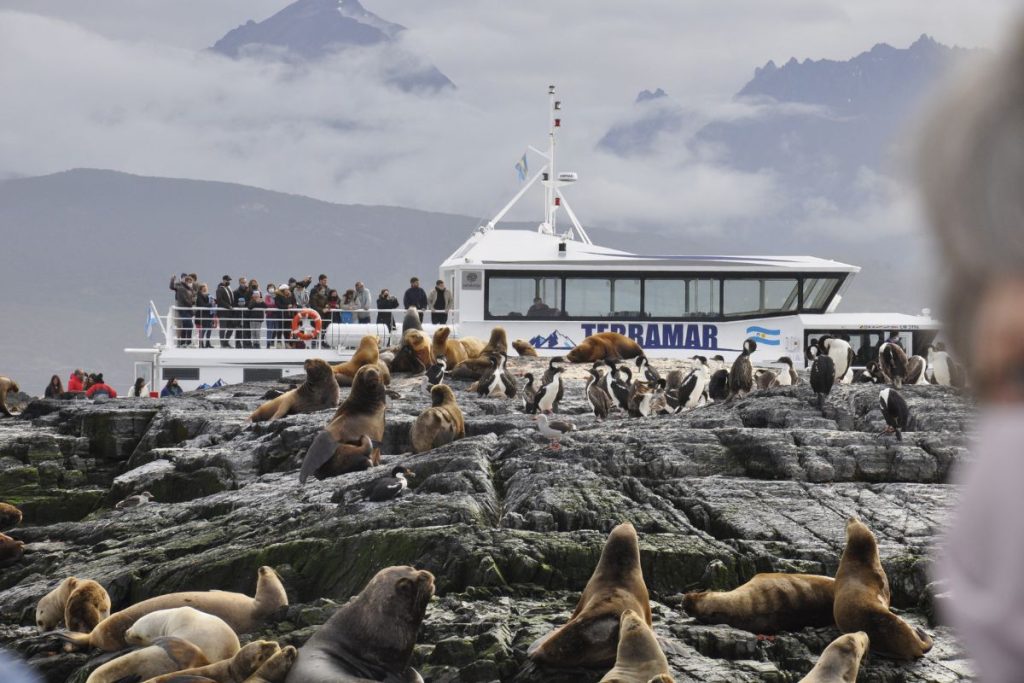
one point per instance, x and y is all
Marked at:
(225, 305)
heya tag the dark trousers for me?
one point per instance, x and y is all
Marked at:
(439, 317)
(227, 326)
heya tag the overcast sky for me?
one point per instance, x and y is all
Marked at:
(122, 84)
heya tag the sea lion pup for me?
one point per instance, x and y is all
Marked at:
(7, 385)
(235, 669)
(318, 392)
(276, 668)
(242, 613)
(358, 418)
(210, 634)
(50, 608)
(840, 661)
(372, 635)
(368, 353)
(474, 368)
(639, 658)
(166, 654)
(455, 350)
(439, 424)
(524, 348)
(604, 346)
(10, 516)
(591, 636)
(11, 551)
(862, 599)
(87, 605)
(768, 603)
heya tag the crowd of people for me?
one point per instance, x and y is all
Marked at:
(91, 385)
(249, 316)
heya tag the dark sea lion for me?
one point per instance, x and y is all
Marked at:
(165, 655)
(239, 667)
(524, 348)
(11, 551)
(439, 424)
(414, 354)
(474, 368)
(319, 392)
(275, 669)
(370, 637)
(87, 605)
(604, 346)
(591, 636)
(639, 658)
(768, 603)
(862, 599)
(10, 516)
(358, 419)
(840, 661)
(7, 385)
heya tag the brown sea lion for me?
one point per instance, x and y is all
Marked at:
(210, 634)
(414, 354)
(524, 348)
(358, 419)
(242, 613)
(239, 667)
(454, 350)
(7, 385)
(87, 605)
(368, 353)
(639, 658)
(439, 424)
(10, 516)
(474, 368)
(840, 661)
(165, 655)
(51, 607)
(11, 551)
(768, 603)
(604, 346)
(319, 392)
(275, 669)
(372, 635)
(862, 599)
(591, 636)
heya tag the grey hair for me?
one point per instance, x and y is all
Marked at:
(971, 168)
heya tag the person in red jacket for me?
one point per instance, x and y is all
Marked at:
(75, 382)
(100, 388)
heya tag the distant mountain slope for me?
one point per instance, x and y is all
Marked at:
(312, 29)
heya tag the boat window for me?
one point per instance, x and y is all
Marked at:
(742, 297)
(602, 297)
(818, 292)
(520, 297)
(677, 298)
(190, 374)
(780, 295)
(703, 297)
(760, 297)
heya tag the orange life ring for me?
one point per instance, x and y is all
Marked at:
(318, 324)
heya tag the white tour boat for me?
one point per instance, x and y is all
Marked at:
(554, 287)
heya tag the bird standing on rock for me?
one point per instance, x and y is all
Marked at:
(529, 392)
(895, 412)
(741, 377)
(553, 430)
(135, 501)
(786, 376)
(436, 372)
(823, 376)
(390, 487)
(496, 381)
(600, 402)
(549, 395)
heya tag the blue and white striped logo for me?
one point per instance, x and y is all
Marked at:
(762, 335)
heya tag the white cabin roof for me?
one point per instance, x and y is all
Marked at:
(527, 249)
(867, 321)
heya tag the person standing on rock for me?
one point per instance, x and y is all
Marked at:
(972, 169)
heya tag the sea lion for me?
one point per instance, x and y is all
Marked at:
(87, 605)
(7, 385)
(439, 424)
(319, 392)
(604, 346)
(166, 654)
(372, 635)
(455, 350)
(210, 634)
(368, 353)
(275, 669)
(591, 636)
(862, 599)
(768, 603)
(50, 608)
(474, 368)
(242, 613)
(840, 661)
(10, 516)
(413, 353)
(639, 658)
(11, 551)
(524, 348)
(238, 668)
(358, 418)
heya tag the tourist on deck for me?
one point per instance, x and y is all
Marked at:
(318, 296)
(285, 304)
(242, 294)
(362, 303)
(100, 389)
(272, 316)
(225, 299)
(204, 318)
(184, 300)
(76, 382)
(255, 312)
(333, 307)
(55, 389)
(385, 300)
(440, 302)
(299, 291)
(172, 389)
(140, 389)
(348, 305)
(415, 296)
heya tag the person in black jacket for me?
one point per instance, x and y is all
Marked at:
(225, 310)
(255, 310)
(184, 300)
(415, 296)
(385, 300)
(242, 295)
(204, 320)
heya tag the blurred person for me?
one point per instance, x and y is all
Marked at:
(140, 389)
(76, 382)
(285, 304)
(386, 301)
(242, 294)
(98, 388)
(299, 291)
(415, 296)
(318, 295)
(254, 314)
(184, 301)
(172, 389)
(362, 302)
(272, 317)
(440, 302)
(333, 307)
(204, 318)
(225, 299)
(348, 305)
(55, 389)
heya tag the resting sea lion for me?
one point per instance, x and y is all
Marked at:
(591, 636)
(454, 350)
(604, 346)
(165, 655)
(414, 353)
(10, 516)
(768, 603)
(7, 385)
(439, 424)
(242, 613)
(368, 353)
(319, 392)
(210, 634)
(358, 419)
(372, 635)
(639, 658)
(50, 608)
(474, 368)
(524, 348)
(275, 669)
(840, 661)
(11, 551)
(862, 599)
(238, 668)
(88, 604)
(412, 320)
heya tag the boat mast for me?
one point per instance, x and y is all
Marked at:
(550, 177)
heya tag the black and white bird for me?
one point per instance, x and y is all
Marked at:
(895, 412)
(943, 369)
(550, 392)
(787, 375)
(646, 370)
(870, 374)
(823, 376)
(718, 385)
(390, 487)
(497, 381)
(741, 376)
(916, 366)
(599, 400)
(529, 392)
(621, 385)
(892, 361)
(841, 353)
(692, 391)
(553, 430)
(436, 372)
(135, 501)
(763, 378)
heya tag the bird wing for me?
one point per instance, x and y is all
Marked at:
(562, 427)
(318, 454)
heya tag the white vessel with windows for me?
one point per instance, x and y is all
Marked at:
(553, 288)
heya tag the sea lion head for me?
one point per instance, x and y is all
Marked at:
(389, 611)
(854, 645)
(50, 610)
(369, 349)
(637, 642)
(621, 554)
(14, 387)
(270, 592)
(317, 370)
(251, 657)
(860, 542)
(498, 340)
(440, 394)
(440, 339)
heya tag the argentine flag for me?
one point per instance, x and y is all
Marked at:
(762, 335)
(151, 322)
(522, 169)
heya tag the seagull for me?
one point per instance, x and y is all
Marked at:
(387, 488)
(553, 430)
(135, 501)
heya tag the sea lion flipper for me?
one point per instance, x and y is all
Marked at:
(181, 652)
(320, 452)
